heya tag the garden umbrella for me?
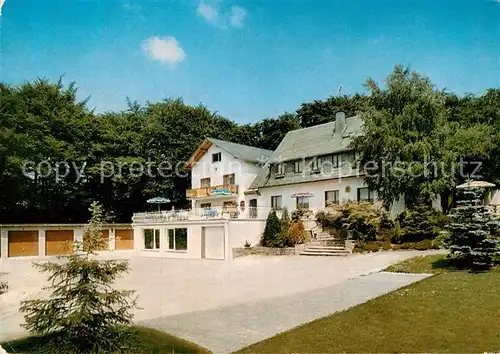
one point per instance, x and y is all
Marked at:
(158, 200)
(476, 184)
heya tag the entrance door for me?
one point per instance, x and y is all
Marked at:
(213, 242)
(252, 209)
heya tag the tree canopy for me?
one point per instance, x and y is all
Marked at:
(57, 155)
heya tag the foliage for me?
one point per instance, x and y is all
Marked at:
(247, 244)
(375, 246)
(272, 231)
(83, 313)
(471, 245)
(411, 146)
(366, 220)
(296, 234)
(407, 121)
(146, 340)
(420, 223)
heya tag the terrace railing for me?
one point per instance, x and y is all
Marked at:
(212, 213)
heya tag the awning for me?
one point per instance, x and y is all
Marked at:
(302, 194)
(221, 192)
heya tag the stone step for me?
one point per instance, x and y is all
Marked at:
(325, 253)
(325, 247)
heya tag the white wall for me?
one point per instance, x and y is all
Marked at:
(317, 188)
(241, 231)
(245, 172)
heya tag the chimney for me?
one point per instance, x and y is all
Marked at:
(339, 125)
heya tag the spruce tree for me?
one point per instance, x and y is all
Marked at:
(270, 238)
(285, 226)
(471, 243)
(83, 313)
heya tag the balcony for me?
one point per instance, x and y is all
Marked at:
(213, 191)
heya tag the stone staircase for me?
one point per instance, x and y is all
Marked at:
(325, 244)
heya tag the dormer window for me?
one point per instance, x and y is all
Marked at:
(297, 166)
(216, 157)
(316, 164)
(280, 169)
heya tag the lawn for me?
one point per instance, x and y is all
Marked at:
(149, 341)
(453, 311)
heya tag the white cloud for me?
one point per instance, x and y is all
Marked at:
(238, 15)
(164, 49)
(1, 5)
(210, 11)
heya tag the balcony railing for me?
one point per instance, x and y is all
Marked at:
(221, 190)
(214, 213)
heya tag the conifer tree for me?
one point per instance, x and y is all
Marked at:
(471, 243)
(83, 312)
(270, 238)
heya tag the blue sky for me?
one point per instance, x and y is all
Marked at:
(246, 59)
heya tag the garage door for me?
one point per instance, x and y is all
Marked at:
(124, 239)
(23, 243)
(213, 242)
(58, 242)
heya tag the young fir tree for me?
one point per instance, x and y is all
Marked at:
(471, 244)
(83, 313)
(270, 237)
(285, 226)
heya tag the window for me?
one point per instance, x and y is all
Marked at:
(206, 205)
(348, 159)
(151, 239)
(302, 202)
(316, 164)
(228, 180)
(280, 169)
(216, 157)
(335, 161)
(331, 197)
(177, 239)
(276, 202)
(205, 182)
(297, 166)
(365, 195)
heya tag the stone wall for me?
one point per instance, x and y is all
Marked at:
(263, 251)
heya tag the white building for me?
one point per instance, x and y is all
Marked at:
(223, 215)
(314, 167)
(235, 186)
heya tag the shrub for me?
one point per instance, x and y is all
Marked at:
(83, 313)
(272, 231)
(296, 234)
(366, 220)
(247, 244)
(420, 223)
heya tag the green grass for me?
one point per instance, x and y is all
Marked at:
(453, 311)
(149, 341)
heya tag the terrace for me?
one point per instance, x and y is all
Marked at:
(213, 213)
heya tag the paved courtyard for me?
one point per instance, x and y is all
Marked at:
(227, 305)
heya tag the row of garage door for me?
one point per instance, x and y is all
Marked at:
(57, 242)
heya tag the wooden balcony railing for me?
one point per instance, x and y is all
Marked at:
(212, 191)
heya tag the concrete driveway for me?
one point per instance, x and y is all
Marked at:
(175, 287)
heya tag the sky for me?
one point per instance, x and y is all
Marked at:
(246, 59)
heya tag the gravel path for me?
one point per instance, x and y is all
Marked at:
(227, 329)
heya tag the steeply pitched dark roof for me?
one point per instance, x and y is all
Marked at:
(307, 143)
(243, 152)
